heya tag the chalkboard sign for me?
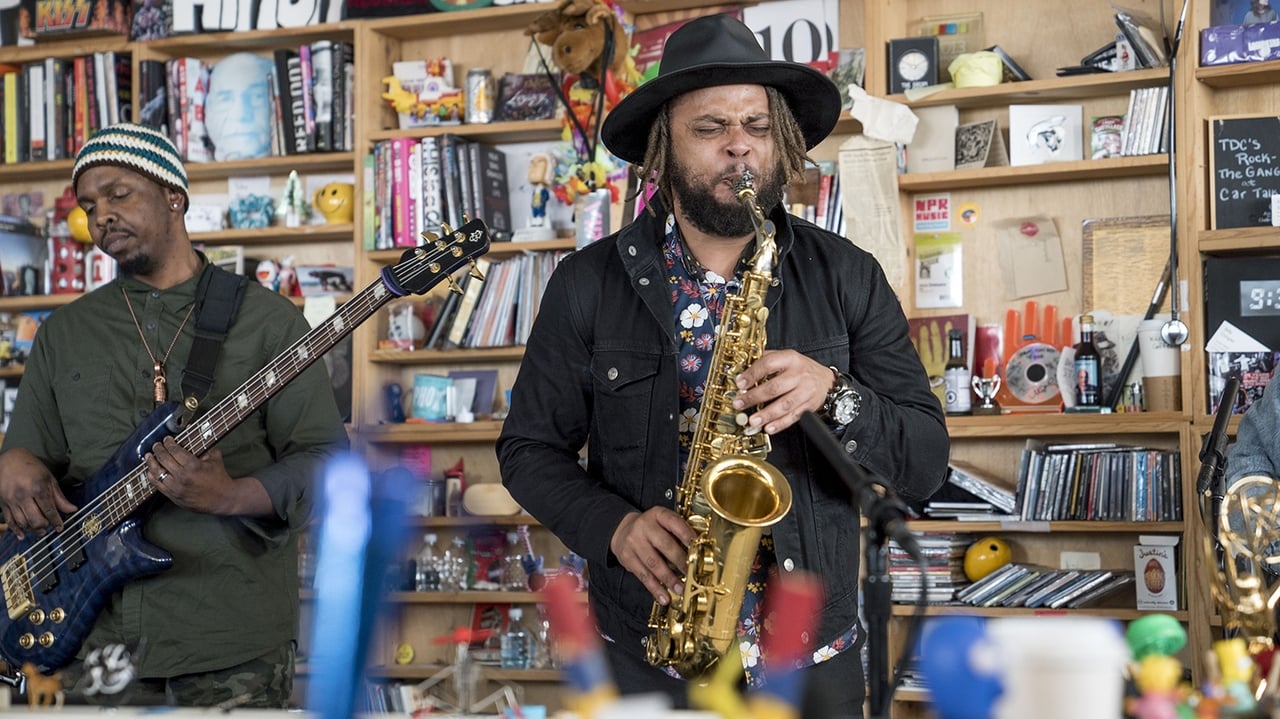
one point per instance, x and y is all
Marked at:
(1244, 170)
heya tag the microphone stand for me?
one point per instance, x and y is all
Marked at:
(886, 519)
(1213, 460)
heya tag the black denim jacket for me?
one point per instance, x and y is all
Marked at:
(601, 366)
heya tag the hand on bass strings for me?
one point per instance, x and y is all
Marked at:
(29, 495)
(649, 544)
(787, 384)
(200, 484)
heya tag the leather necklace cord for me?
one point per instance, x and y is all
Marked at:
(158, 378)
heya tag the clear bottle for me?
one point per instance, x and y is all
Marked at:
(426, 577)
(516, 642)
(513, 577)
(957, 376)
(1088, 367)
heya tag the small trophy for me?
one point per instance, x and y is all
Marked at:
(986, 388)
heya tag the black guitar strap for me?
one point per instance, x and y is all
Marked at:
(217, 299)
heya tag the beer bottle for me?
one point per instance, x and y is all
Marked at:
(1088, 367)
(957, 376)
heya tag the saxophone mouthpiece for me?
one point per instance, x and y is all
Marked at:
(746, 185)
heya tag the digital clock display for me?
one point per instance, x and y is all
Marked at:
(1259, 298)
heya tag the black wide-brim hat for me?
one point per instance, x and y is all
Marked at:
(719, 50)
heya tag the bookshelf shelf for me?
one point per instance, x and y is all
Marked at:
(492, 132)
(310, 162)
(497, 249)
(1245, 74)
(1032, 425)
(1078, 171)
(1040, 91)
(448, 357)
(1238, 240)
(514, 520)
(20, 303)
(276, 235)
(415, 433)
(424, 671)
(217, 43)
(942, 610)
(1037, 527)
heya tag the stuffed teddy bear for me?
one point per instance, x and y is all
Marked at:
(576, 31)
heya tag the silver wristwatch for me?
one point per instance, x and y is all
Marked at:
(844, 402)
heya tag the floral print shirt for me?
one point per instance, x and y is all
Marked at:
(697, 298)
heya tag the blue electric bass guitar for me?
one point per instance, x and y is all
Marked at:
(56, 585)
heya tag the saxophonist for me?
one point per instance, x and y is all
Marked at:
(619, 354)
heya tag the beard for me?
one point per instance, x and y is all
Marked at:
(134, 265)
(703, 210)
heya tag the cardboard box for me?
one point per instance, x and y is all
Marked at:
(46, 19)
(1155, 569)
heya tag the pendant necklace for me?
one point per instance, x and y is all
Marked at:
(161, 387)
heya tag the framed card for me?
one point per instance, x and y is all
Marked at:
(957, 35)
(913, 63)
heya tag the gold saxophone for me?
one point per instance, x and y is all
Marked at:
(728, 494)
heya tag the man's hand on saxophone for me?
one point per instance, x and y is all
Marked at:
(654, 545)
(796, 384)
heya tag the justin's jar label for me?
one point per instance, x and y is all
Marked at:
(1153, 576)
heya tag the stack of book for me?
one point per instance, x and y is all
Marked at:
(943, 554)
(1031, 586)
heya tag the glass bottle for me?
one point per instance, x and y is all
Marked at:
(1088, 366)
(957, 376)
(427, 569)
(516, 640)
(513, 577)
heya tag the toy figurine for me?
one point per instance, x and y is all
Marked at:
(293, 206)
(541, 174)
(1157, 677)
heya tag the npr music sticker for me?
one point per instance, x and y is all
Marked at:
(969, 213)
(932, 213)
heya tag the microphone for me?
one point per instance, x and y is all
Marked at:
(886, 514)
(1213, 454)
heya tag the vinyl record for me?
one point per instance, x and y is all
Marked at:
(1031, 374)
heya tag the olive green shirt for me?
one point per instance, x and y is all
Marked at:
(231, 594)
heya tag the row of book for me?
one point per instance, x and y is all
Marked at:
(1098, 481)
(308, 92)
(415, 185)
(1146, 127)
(1026, 585)
(818, 198)
(495, 312)
(51, 106)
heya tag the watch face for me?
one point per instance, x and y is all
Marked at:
(845, 409)
(913, 65)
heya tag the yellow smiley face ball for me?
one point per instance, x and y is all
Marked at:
(78, 224)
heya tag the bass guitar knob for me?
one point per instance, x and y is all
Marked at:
(46, 639)
(36, 617)
(26, 641)
(57, 615)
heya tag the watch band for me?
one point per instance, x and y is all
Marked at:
(837, 383)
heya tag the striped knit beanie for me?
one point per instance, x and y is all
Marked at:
(137, 148)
